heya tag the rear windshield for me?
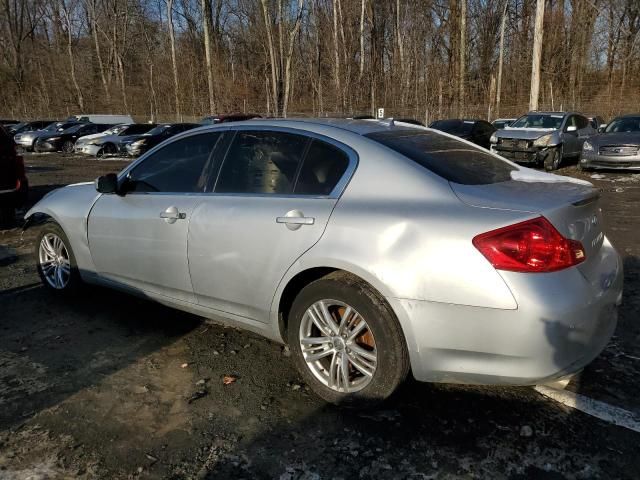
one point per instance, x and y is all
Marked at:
(449, 158)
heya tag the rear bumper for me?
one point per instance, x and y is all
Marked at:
(595, 161)
(563, 321)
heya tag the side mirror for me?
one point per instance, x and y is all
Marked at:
(602, 127)
(572, 128)
(107, 183)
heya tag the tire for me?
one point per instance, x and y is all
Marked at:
(553, 160)
(107, 149)
(69, 280)
(7, 217)
(67, 147)
(380, 340)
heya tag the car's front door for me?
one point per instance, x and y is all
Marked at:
(272, 200)
(139, 238)
(570, 138)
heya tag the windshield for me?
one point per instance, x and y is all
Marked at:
(159, 129)
(74, 128)
(456, 127)
(538, 120)
(623, 125)
(449, 158)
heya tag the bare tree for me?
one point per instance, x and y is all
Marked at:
(537, 51)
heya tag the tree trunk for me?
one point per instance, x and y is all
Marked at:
(72, 67)
(501, 57)
(362, 9)
(463, 57)
(272, 56)
(206, 12)
(537, 50)
(174, 62)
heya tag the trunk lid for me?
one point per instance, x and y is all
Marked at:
(573, 208)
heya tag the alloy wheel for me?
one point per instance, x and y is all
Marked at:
(338, 346)
(54, 261)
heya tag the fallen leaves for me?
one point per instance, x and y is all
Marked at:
(229, 379)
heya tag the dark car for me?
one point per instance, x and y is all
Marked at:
(411, 121)
(27, 140)
(14, 186)
(24, 127)
(615, 147)
(476, 131)
(138, 145)
(65, 140)
(7, 123)
(230, 117)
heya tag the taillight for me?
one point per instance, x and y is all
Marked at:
(531, 246)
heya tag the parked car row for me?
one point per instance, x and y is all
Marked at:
(547, 139)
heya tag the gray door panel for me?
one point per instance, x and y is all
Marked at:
(238, 252)
(132, 244)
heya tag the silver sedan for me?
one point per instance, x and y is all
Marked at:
(371, 247)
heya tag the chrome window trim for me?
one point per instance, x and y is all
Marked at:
(337, 191)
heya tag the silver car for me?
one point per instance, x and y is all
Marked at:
(616, 147)
(28, 140)
(371, 247)
(543, 138)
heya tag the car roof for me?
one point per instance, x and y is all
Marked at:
(361, 127)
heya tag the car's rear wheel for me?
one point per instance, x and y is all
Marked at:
(553, 159)
(346, 340)
(67, 147)
(55, 261)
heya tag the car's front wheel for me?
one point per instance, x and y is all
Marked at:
(346, 340)
(55, 261)
(553, 159)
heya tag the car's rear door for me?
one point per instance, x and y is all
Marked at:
(140, 238)
(271, 202)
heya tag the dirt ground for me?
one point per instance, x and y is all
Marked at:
(110, 386)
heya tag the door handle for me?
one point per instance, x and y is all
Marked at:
(294, 219)
(171, 214)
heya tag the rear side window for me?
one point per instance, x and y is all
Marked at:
(261, 162)
(322, 169)
(447, 157)
(181, 166)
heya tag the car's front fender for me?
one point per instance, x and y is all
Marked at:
(69, 207)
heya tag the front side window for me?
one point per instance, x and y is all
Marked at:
(261, 162)
(181, 166)
(447, 157)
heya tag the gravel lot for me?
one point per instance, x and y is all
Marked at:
(110, 386)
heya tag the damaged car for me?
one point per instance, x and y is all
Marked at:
(543, 138)
(372, 248)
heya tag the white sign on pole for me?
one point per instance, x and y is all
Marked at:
(380, 112)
